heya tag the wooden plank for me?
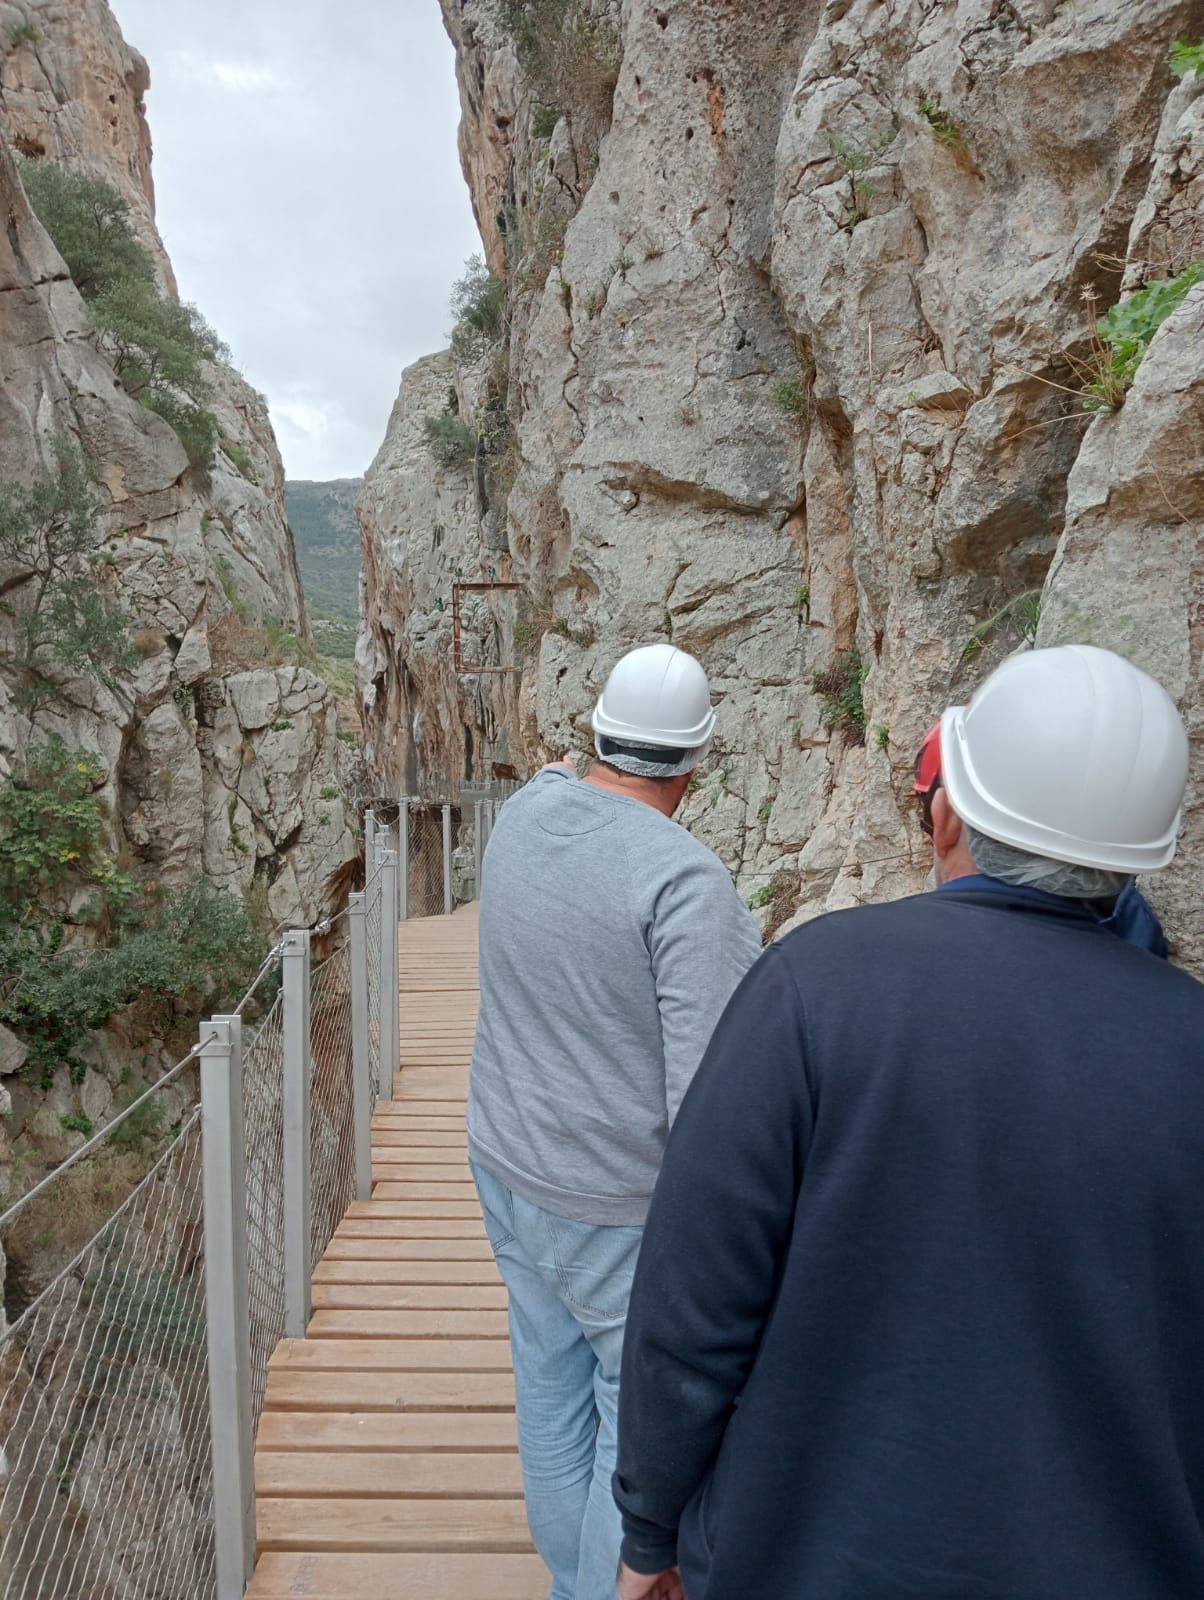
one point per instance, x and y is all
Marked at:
(414, 1228)
(445, 1209)
(423, 1136)
(383, 1430)
(408, 1297)
(429, 1165)
(382, 1248)
(387, 1190)
(342, 1322)
(383, 1525)
(339, 1270)
(378, 1475)
(400, 1576)
(315, 1390)
(391, 1355)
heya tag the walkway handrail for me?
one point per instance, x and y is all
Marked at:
(132, 1386)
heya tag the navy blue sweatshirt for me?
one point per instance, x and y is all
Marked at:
(920, 1306)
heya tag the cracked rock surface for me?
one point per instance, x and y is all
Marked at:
(795, 386)
(197, 561)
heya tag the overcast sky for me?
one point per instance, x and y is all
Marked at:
(310, 197)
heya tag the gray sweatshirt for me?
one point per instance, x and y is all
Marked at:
(610, 943)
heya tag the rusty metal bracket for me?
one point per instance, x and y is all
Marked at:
(458, 662)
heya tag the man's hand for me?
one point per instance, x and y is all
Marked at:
(649, 1585)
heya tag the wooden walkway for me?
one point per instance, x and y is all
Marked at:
(386, 1465)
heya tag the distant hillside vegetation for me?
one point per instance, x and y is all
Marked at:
(327, 538)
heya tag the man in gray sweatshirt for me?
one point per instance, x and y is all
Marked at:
(610, 943)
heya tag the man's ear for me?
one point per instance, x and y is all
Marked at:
(947, 829)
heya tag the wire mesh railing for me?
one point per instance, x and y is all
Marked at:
(332, 1106)
(132, 1383)
(107, 1487)
(263, 1143)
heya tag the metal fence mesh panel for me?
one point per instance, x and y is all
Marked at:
(331, 1102)
(426, 875)
(263, 1114)
(372, 934)
(106, 1492)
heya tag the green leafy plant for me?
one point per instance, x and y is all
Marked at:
(759, 897)
(22, 33)
(882, 736)
(282, 724)
(57, 592)
(840, 688)
(348, 736)
(78, 1122)
(854, 157)
(159, 347)
(802, 601)
(51, 829)
(790, 396)
(478, 304)
(944, 128)
(452, 442)
(329, 791)
(241, 458)
(1020, 617)
(1186, 57)
(1120, 338)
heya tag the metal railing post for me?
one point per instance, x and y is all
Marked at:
(361, 1063)
(447, 854)
(226, 1309)
(295, 963)
(369, 837)
(478, 846)
(390, 998)
(403, 859)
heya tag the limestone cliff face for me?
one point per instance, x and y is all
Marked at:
(790, 378)
(215, 758)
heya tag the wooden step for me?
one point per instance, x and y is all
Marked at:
(408, 1297)
(305, 1523)
(382, 1430)
(315, 1390)
(340, 1270)
(400, 1576)
(375, 1475)
(393, 1355)
(341, 1322)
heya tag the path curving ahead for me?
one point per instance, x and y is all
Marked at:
(386, 1465)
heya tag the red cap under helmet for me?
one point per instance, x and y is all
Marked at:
(928, 773)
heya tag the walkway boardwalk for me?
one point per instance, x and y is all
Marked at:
(386, 1465)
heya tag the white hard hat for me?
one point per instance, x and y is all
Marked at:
(656, 695)
(1072, 753)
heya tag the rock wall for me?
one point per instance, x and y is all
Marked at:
(791, 373)
(215, 759)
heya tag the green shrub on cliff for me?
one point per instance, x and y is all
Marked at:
(570, 56)
(159, 346)
(164, 959)
(1187, 57)
(64, 619)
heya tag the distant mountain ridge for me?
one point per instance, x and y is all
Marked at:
(327, 540)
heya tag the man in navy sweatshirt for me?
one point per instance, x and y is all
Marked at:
(920, 1306)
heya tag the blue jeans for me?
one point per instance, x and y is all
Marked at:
(569, 1283)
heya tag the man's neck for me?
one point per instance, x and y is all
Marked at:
(654, 792)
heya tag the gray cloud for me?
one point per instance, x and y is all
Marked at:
(310, 197)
